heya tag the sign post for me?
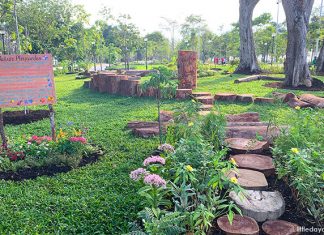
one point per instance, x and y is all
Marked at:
(27, 80)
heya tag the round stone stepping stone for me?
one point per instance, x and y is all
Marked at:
(245, 98)
(244, 117)
(241, 145)
(206, 100)
(206, 107)
(255, 162)
(248, 179)
(225, 97)
(241, 225)
(200, 94)
(280, 227)
(264, 100)
(260, 205)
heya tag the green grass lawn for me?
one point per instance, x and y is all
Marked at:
(100, 198)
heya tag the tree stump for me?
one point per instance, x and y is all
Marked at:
(242, 225)
(206, 100)
(248, 179)
(244, 117)
(183, 94)
(280, 227)
(260, 205)
(187, 69)
(199, 94)
(127, 87)
(264, 100)
(268, 133)
(245, 98)
(241, 145)
(225, 97)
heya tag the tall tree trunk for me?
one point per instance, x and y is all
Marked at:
(320, 61)
(296, 67)
(248, 60)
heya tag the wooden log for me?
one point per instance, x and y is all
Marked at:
(127, 87)
(257, 77)
(187, 69)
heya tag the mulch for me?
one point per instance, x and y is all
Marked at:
(19, 117)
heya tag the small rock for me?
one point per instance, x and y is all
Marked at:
(248, 179)
(244, 117)
(280, 227)
(264, 100)
(206, 100)
(245, 98)
(260, 205)
(241, 225)
(255, 162)
(241, 145)
(225, 97)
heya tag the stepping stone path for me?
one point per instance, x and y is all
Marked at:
(242, 145)
(206, 100)
(206, 107)
(280, 227)
(183, 94)
(260, 205)
(248, 179)
(255, 162)
(225, 97)
(241, 225)
(244, 117)
(200, 94)
(245, 98)
(264, 100)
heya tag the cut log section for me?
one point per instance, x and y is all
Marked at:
(206, 107)
(280, 227)
(248, 179)
(232, 124)
(225, 97)
(241, 145)
(260, 205)
(183, 94)
(264, 100)
(200, 94)
(255, 162)
(206, 100)
(241, 225)
(251, 132)
(313, 100)
(245, 98)
(244, 117)
(141, 124)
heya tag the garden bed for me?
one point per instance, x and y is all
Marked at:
(51, 170)
(19, 117)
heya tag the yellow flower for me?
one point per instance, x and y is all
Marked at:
(295, 150)
(194, 101)
(77, 133)
(61, 134)
(12, 101)
(190, 124)
(234, 180)
(51, 98)
(297, 107)
(233, 161)
(189, 168)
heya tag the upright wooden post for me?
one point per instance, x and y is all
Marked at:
(2, 132)
(52, 121)
(187, 69)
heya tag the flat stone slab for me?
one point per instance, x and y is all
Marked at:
(255, 162)
(251, 132)
(225, 97)
(248, 179)
(264, 100)
(241, 145)
(200, 94)
(315, 101)
(206, 100)
(206, 107)
(280, 227)
(230, 124)
(241, 225)
(245, 98)
(244, 117)
(260, 205)
(141, 124)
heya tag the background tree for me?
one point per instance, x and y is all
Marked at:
(296, 67)
(248, 61)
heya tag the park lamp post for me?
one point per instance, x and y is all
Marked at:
(145, 40)
(272, 50)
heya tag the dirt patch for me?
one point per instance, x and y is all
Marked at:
(317, 86)
(33, 173)
(19, 117)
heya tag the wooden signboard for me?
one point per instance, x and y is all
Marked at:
(26, 80)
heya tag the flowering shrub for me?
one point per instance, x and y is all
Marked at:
(38, 151)
(154, 160)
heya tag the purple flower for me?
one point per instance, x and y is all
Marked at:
(137, 174)
(154, 180)
(166, 148)
(154, 159)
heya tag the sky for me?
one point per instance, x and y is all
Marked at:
(146, 14)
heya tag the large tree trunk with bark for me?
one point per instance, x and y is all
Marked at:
(248, 60)
(296, 67)
(320, 61)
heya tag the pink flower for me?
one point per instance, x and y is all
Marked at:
(154, 159)
(40, 139)
(155, 180)
(166, 148)
(78, 139)
(137, 174)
